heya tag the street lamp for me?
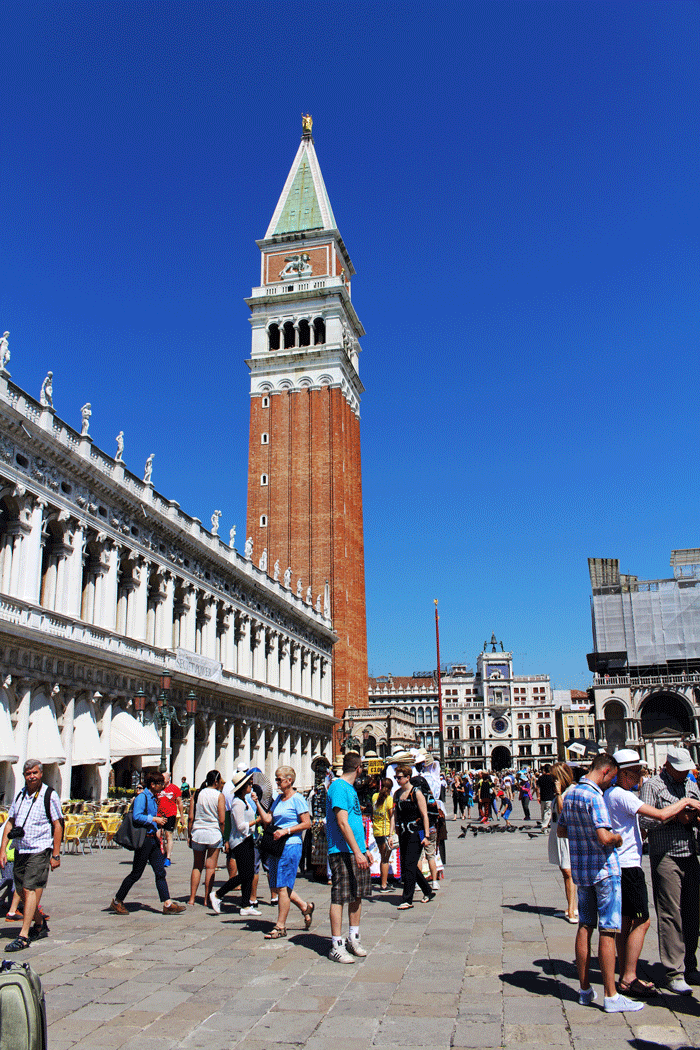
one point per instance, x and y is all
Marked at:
(165, 714)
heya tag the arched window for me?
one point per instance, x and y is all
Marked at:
(264, 439)
(273, 337)
(413, 711)
(429, 716)
(436, 715)
(289, 335)
(304, 333)
(421, 738)
(263, 521)
(420, 715)
(265, 402)
(429, 740)
(319, 331)
(263, 479)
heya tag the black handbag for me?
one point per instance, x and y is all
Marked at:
(129, 835)
(269, 845)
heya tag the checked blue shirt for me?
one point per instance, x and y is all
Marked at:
(583, 812)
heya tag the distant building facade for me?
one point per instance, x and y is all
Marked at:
(491, 719)
(417, 697)
(646, 657)
(575, 722)
(384, 729)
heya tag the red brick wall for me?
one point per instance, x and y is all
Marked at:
(314, 507)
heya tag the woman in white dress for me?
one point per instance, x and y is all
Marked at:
(558, 849)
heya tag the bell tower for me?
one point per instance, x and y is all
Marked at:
(304, 466)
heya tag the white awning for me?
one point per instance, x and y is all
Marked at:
(128, 737)
(87, 746)
(44, 740)
(8, 751)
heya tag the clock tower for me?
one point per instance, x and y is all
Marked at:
(304, 467)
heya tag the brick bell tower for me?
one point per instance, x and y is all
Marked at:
(304, 467)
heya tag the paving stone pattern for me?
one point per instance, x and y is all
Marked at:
(488, 964)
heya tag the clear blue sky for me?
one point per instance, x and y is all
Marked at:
(516, 184)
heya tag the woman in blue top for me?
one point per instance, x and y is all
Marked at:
(289, 814)
(145, 815)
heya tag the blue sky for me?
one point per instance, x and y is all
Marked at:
(516, 184)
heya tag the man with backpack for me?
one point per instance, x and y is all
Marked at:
(422, 780)
(35, 825)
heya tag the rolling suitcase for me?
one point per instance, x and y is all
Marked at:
(22, 1008)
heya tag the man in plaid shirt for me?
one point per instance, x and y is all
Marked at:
(675, 875)
(595, 869)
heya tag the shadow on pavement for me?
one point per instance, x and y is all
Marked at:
(533, 908)
(536, 983)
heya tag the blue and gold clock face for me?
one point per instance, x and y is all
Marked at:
(499, 725)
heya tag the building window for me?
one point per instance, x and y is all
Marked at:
(264, 439)
(273, 335)
(266, 402)
(263, 521)
(319, 331)
(263, 479)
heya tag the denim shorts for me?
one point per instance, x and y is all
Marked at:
(283, 870)
(601, 905)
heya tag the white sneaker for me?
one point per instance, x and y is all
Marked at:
(215, 903)
(679, 985)
(435, 884)
(586, 996)
(620, 1004)
(354, 946)
(340, 954)
(250, 911)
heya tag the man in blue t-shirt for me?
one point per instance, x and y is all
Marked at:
(348, 859)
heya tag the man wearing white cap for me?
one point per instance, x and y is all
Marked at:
(675, 875)
(624, 807)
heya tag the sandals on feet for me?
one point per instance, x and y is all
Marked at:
(637, 989)
(426, 899)
(275, 933)
(405, 906)
(308, 912)
(18, 945)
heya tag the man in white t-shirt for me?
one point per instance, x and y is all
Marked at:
(624, 806)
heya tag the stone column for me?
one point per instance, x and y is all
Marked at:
(244, 655)
(326, 682)
(164, 620)
(66, 770)
(257, 651)
(295, 666)
(257, 745)
(32, 510)
(272, 654)
(271, 751)
(229, 750)
(16, 573)
(188, 752)
(285, 667)
(243, 752)
(24, 697)
(74, 589)
(190, 619)
(140, 603)
(105, 739)
(228, 641)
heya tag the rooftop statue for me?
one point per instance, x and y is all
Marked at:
(307, 123)
(263, 560)
(277, 570)
(46, 395)
(215, 522)
(288, 577)
(232, 536)
(86, 412)
(4, 352)
(249, 548)
(120, 447)
(149, 468)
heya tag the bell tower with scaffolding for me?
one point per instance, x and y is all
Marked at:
(304, 463)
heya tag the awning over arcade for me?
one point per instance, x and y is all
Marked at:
(129, 738)
(44, 739)
(8, 751)
(87, 747)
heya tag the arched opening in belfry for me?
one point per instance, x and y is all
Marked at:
(273, 337)
(614, 725)
(304, 333)
(288, 335)
(665, 714)
(319, 331)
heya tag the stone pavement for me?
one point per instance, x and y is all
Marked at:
(489, 963)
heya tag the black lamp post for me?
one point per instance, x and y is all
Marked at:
(165, 713)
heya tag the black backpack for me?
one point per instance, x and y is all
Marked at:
(47, 802)
(434, 812)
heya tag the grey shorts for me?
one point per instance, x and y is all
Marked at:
(350, 883)
(32, 870)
